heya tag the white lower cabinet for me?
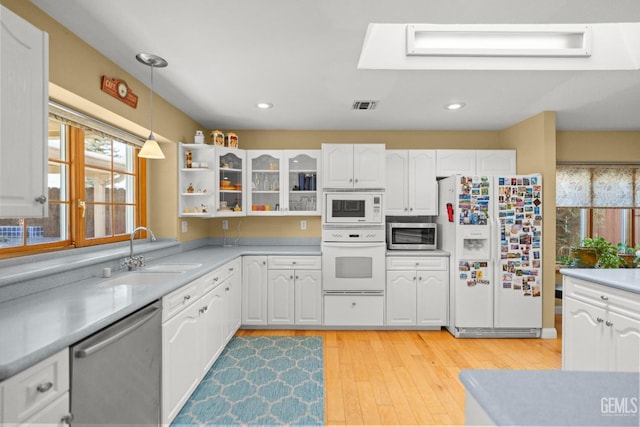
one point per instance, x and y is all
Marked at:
(417, 291)
(354, 310)
(294, 291)
(204, 315)
(254, 290)
(600, 327)
(37, 395)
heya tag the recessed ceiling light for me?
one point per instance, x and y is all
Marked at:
(265, 105)
(454, 106)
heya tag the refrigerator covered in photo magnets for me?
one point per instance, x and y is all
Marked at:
(492, 226)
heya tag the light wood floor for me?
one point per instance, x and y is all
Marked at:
(411, 377)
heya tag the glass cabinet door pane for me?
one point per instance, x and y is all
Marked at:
(265, 183)
(303, 174)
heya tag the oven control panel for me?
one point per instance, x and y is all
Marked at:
(353, 235)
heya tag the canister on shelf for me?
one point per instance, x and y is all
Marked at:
(232, 140)
(216, 138)
(199, 137)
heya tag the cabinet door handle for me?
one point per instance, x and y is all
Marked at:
(297, 277)
(227, 289)
(264, 262)
(291, 277)
(42, 199)
(608, 323)
(604, 297)
(414, 277)
(419, 278)
(44, 387)
(599, 319)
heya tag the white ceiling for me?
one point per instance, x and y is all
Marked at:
(301, 55)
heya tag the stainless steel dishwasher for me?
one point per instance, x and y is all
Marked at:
(115, 373)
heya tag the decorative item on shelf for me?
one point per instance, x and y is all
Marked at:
(226, 185)
(273, 167)
(237, 207)
(224, 165)
(199, 137)
(232, 140)
(195, 165)
(204, 165)
(188, 159)
(187, 210)
(195, 209)
(237, 187)
(205, 208)
(190, 188)
(216, 138)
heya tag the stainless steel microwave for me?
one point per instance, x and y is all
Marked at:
(412, 236)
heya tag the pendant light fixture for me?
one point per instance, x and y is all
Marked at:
(151, 149)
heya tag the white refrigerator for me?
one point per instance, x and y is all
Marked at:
(492, 227)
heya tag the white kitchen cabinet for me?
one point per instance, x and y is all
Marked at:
(412, 188)
(417, 291)
(196, 184)
(284, 182)
(181, 368)
(353, 310)
(353, 166)
(254, 290)
(600, 327)
(39, 394)
(24, 83)
(495, 162)
(294, 290)
(230, 182)
(475, 162)
(232, 299)
(194, 333)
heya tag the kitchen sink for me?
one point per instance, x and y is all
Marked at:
(140, 278)
(172, 268)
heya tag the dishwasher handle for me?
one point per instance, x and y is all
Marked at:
(144, 315)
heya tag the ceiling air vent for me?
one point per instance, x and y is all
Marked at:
(364, 105)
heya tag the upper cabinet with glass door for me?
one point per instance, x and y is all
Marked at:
(265, 197)
(230, 182)
(303, 182)
(284, 182)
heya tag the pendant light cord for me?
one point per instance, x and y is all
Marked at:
(151, 104)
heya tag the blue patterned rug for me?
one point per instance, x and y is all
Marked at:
(261, 380)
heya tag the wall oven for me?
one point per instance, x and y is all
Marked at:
(353, 208)
(412, 236)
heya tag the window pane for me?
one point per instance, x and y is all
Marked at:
(124, 219)
(97, 221)
(11, 232)
(57, 181)
(636, 228)
(57, 141)
(50, 229)
(97, 151)
(123, 188)
(608, 223)
(613, 187)
(123, 159)
(97, 185)
(568, 229)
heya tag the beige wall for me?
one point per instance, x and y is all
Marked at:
(535, 140)
(575, 146)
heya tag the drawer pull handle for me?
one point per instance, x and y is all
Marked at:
(294, 263)
(215, 279)
(187, 297)
(608, 323)
(353, 304)
(599, 319)
(67, 419)
(230, 268)
(227, 289)
(44, 387)
(604, 297)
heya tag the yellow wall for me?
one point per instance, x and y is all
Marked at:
(580, 146)
(535, 140)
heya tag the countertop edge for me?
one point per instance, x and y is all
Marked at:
(626, 279)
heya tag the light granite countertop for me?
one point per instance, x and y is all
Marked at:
(39, 325)
(555, 398)
(626, 279)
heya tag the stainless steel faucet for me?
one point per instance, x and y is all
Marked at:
(133, 262)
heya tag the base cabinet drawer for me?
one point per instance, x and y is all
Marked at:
(354, 310)
(31, 391)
